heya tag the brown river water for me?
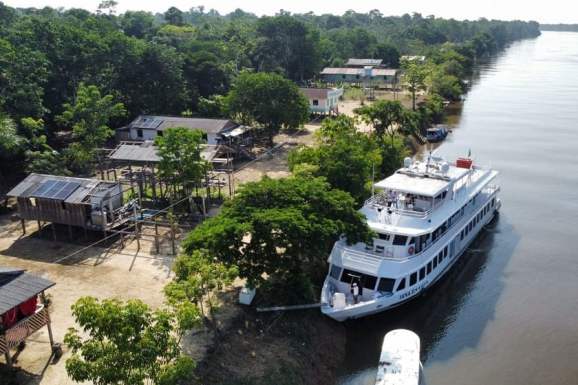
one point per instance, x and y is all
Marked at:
(507, 314)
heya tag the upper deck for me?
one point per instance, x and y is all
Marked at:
(422, 195)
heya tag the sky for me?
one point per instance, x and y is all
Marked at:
(551, 11)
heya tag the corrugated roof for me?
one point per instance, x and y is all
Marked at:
(384, 72)
(160, 123)
(144, 152)
(315, 93)
(29, 185)
(341, 71)
(363, 62)
(16, 287)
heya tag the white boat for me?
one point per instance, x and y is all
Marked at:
(424, 217)
(399, 362)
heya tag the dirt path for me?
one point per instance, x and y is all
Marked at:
(94, 272)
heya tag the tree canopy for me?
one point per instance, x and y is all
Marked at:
(281, 228)
(128, 343)
(269, 100)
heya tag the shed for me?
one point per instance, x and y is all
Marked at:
(87, 203)
(21, 314)
(376, 76)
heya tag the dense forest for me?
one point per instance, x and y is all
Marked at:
(73, 71)
(559, 27)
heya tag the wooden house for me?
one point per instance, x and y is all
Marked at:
(148, 127)
(88, 203)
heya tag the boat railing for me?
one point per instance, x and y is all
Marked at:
(379, 201)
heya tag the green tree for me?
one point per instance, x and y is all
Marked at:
(174, 16)
(197, 278)
(181, 162)
(138, 24)
(89, 117)
(282, 228)
(346, 158)
(414, 76)
(128, 343)
(384, 115)
(269, 100)
(40, 157)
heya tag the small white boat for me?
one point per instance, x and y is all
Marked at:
(399, 362)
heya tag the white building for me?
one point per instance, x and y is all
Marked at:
(323, 100)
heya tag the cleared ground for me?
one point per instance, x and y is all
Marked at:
(94, 272)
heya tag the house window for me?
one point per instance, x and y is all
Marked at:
(343, 76)
(315, 102)
(33, 202)
(160, 133)
(401, 285)
(139, 133)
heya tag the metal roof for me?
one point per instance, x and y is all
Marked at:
(363, 62)
(142, 152)
(28, 187)
(16, 287)
(341, 71)
(384, 71)
(161, 123)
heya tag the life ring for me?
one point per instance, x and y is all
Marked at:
(410, 250)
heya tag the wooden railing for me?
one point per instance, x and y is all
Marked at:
(12, 337)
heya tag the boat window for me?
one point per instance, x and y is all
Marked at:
(379, 249)
(413, 279)
(435, 263)
(369, 245)
(401, 285)
(440, 256)
(335, 271)
(444, 194)
(412, 241)
(493, 201)
(365, 280)
(386, 285)
(399, 240)
(385, 237)
(462, 235)
(445, 251)
(421, 273)
(429, 267)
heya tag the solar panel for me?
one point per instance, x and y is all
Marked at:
(45, 186)
(67, 190)
(55, 189)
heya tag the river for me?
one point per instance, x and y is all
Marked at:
(507, 314)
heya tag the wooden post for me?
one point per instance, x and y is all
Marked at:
(136, 228)
(39, 227)
(53, 231)
(8, 358)
(157, 236)
(23, 223)
(173, 236)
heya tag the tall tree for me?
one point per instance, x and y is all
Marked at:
(128, 343)
(282, 228)
(414, 76)
(345, 157)
(181, 162)
(269, 100)
(89, 117)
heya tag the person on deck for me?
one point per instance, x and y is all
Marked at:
(355, 292)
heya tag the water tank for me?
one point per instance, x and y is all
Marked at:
(407, 162)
